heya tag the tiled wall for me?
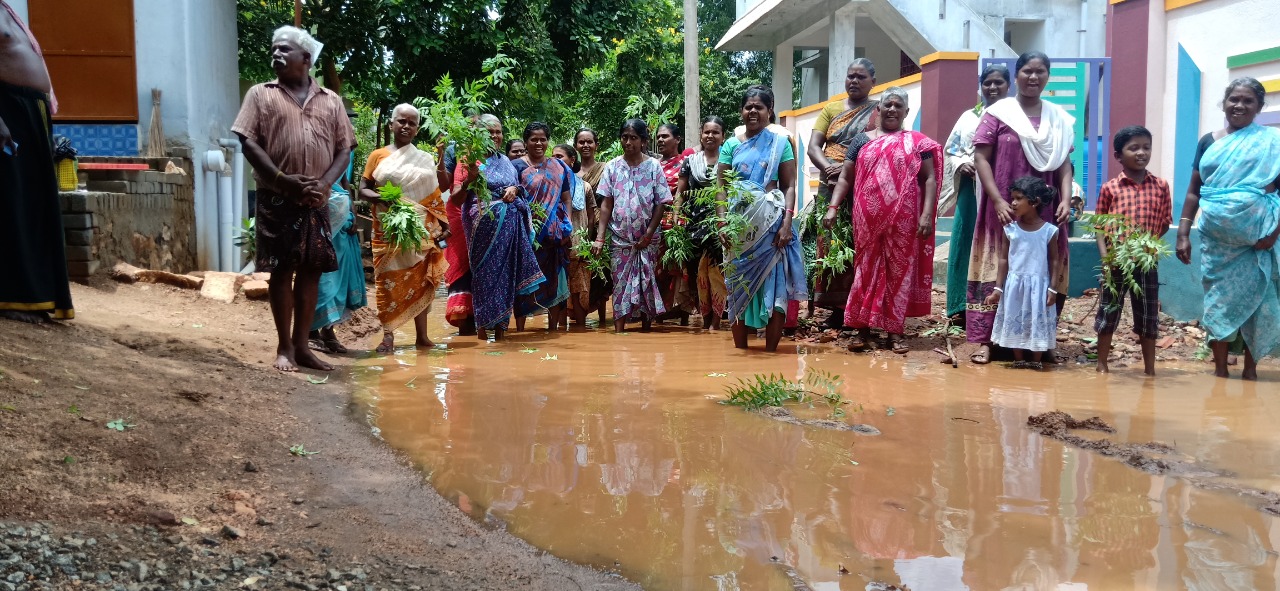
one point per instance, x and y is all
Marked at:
(101, 139)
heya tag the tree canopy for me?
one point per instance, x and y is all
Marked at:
(579, 62)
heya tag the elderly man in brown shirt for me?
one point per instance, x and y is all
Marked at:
(33, 263)
(297, 137)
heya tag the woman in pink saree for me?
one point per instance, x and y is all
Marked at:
(893, 173)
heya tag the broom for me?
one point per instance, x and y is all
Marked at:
(155, 135)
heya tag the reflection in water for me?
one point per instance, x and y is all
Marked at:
(615, 453)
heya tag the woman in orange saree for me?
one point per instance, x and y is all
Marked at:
(406, 279)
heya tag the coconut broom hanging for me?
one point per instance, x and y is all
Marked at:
(155, 134)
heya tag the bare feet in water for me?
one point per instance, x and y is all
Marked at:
(424, 343)
(24, 316)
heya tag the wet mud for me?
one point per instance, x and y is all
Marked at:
(1147, 457)
(783, 414)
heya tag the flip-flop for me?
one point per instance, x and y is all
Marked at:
(899, 347)
(857, 345)
(334, 346)
(1034, 365)
(1019, 365)
(980, 358)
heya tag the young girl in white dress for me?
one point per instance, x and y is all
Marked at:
(1027, 317)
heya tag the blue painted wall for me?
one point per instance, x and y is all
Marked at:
(1186, 127)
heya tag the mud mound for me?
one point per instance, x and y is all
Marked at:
(779, 413)
(1052, 423)
(1143, 456)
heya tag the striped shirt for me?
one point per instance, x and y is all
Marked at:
(299, 139)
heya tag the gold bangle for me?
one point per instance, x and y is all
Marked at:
(279, 173)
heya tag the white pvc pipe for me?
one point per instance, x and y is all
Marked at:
(214, 164)
(226, 224)
(239, 194)
(201, 196)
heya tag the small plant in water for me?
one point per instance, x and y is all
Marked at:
(775, 390)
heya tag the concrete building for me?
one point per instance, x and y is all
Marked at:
(104, 59)
(1172, 60)
(105, 56)
(821, 37)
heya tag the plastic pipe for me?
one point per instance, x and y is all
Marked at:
(239, 195)
(201, 196)
(214, 164)
(226, 223)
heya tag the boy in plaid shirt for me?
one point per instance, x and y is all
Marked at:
(1146, 201)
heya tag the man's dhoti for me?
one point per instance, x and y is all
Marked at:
(33, 262)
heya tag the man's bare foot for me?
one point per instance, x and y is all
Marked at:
(1102, 365)
(24, 316)
(387, 345)
(307, 359)
(284, 362)
(422, 343)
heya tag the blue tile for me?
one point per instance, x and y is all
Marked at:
(101, 139)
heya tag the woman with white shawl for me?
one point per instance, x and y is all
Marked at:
(1016, 137)
(406, 279)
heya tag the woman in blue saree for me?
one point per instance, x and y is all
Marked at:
(765, 266)
(548, 187)
(1233, 186)
(341, 292)
(498, 230)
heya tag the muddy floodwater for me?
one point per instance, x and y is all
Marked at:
(612, 450)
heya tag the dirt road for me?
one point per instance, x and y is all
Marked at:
(146, 445)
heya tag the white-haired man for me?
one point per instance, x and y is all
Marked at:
(297, 137)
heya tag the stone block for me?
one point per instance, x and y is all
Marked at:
(74, 202)
(255, 289)
(221, 287)
(77, 221)
(82, 268)
(79, 237)
(125, 273)
(109, 186)
(81, 253)
(174, 279)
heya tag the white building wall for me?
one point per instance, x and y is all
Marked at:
(1211, 31)
(187, 48)
(1062, 22)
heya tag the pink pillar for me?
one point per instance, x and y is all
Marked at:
(949, 86)
(1128, 22)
